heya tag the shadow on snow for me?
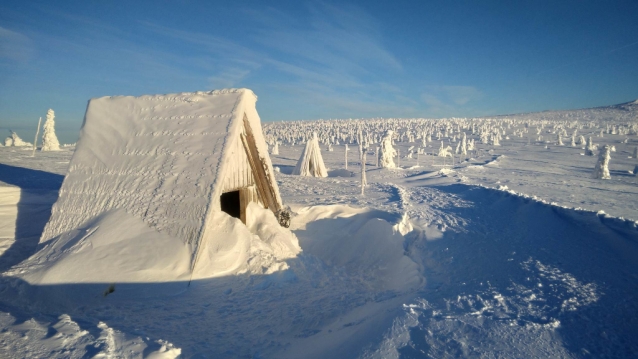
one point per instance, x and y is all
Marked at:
(38, 192)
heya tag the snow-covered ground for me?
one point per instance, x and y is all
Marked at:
(505, 254)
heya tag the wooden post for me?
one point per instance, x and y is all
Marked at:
(262, 178)
(35, 141)
(245, 197)
(346, 156)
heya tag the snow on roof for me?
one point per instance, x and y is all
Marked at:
(158, 157)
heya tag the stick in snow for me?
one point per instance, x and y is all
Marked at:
(35, 142)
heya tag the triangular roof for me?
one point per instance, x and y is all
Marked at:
(163, 158)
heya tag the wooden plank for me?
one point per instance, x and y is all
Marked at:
(244, 199)
(259, 168)
(261, 192)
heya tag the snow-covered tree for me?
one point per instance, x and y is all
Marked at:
(590, 147)
(49, 139)
(495, 141)
(559, 140)
(581, 140)
(15, 140)
(464, 145)
(445, 151)
(470, 145)
(601, 171)
(311, 162)
(275, 149)
(387, 151)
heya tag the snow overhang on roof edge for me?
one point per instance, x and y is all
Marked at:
(212, 92)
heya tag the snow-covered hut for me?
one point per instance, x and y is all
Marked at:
(172, 160)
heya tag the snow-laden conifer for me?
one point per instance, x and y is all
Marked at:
(464, 145)
(590, 147)
(310, 162)
(387, 154)
(49, 139)
(601, 171)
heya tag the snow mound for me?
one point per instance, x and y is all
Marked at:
(66, 339)
(113, 247)
(361, 240)
(259, 248)
(117, 247)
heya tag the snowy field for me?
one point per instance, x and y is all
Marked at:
(512, 251)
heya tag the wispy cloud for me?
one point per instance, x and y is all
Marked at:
(447, 100)
(335, 41)
(15, 46)
(333, 57)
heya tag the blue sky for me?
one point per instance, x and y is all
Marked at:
(311, 60)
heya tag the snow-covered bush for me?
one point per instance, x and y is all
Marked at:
(15, 140)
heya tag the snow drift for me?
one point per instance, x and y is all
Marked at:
(117, 247)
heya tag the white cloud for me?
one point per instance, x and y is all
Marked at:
(15, 46)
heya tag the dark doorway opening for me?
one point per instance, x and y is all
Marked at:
(230, 203)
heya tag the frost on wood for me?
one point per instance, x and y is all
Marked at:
(311, 162)
(601, 171)
(387, 151)
(49, 139)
